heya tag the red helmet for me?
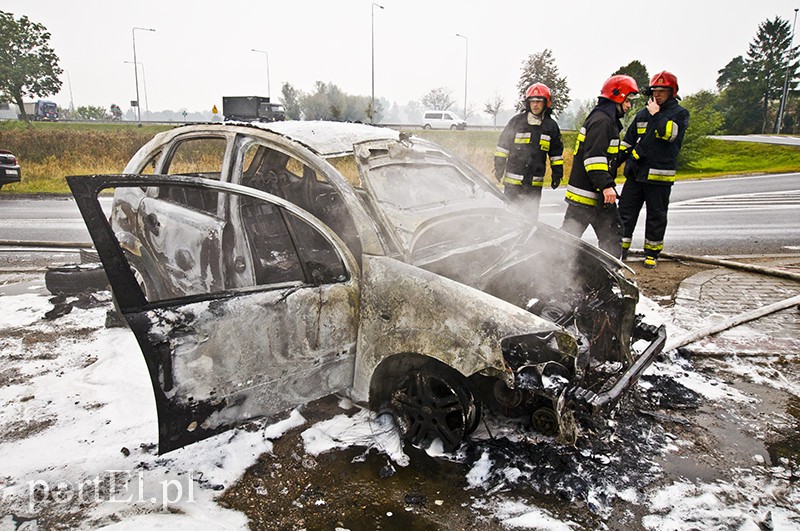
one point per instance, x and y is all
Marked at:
(666, 80)
(538, 90)
(616, 88)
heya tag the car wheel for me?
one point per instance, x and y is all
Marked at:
(426, 126)
(434, 403)
(453, 127)
(142, 279)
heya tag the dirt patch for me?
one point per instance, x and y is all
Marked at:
(661, 283)
(22, 429)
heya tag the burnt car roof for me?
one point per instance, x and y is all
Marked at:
(324, 138)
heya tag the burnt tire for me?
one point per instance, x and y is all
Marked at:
(435, 403)
(72, 280)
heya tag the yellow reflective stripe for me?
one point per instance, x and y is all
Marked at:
(613, 146)
(537, 180)
(596, 163)
(501, 154)
(512, 178)
(537, 183)
(626, 243)
(624, 145)
(544, 145)
(665, 176)
(522, 138)
(641, 128)
(635, 154)
(650, 245)
(580, 138)
(670, 132)
(577, 198)
(556, 161)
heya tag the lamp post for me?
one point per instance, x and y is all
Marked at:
(466, 62)
(785, 91)
(71, 104)
(136, 73)
(372, 104)
(144, 82)
(266, 55)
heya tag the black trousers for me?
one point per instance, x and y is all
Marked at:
(605, 221)
(527, 197)
(656, 198)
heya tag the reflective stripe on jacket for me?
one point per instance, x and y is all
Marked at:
(523, 149)
(654, 141)
(594, 165)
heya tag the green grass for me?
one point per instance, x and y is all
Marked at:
(49, 151)
(722, 157)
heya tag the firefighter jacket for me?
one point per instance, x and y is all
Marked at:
(652, 143)
(522, 151)
(594, 163)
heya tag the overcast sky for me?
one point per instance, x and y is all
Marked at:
(201, 50)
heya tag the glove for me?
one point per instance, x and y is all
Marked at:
(498, 174)
(555, 178)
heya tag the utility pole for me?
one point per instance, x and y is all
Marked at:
(786, 77)
(372, 104)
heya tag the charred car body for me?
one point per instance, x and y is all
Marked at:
(262, 266)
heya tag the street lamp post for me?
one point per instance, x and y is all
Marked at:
(785, 91)
(266, 55)
(466, 63)
(372, 104)
(71, 104)
(136, 73)
(144, 82)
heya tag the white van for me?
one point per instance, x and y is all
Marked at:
(442, 120)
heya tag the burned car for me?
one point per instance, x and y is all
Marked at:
(262, 266)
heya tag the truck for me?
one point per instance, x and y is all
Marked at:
(251, 109)
(41, 110)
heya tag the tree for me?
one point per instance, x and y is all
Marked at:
(637, 71)
(291, 101)
(92, 112)
(438, 99)
(706, 119)
(752, 86)
(492, 107)
(541, 68)
(28, 65)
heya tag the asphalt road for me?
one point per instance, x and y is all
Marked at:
(737, 215)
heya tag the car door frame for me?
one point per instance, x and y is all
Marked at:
(140, 313)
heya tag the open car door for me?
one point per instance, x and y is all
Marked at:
(273, 327)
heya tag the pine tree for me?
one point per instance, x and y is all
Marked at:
(541, 68)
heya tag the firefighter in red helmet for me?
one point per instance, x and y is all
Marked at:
(651, 146)
(528, 140)
(591, 195)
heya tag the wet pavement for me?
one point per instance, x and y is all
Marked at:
(720, 293)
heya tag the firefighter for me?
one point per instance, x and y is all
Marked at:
(651, 147)
(520, 159)
(591, 196)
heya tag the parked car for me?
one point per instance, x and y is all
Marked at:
(265, 265)
(9, 168)
(442, 120)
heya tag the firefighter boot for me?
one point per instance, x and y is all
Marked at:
(650, 262)
(626, 246)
